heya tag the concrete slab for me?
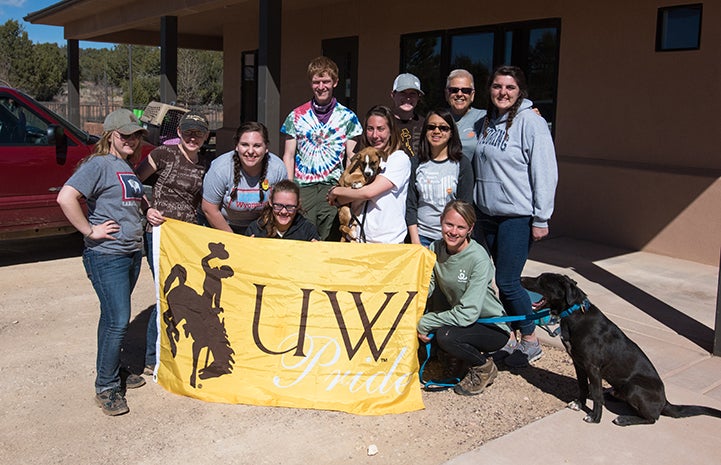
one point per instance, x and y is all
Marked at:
(564, 438)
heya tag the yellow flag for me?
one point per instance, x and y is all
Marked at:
(287, 323)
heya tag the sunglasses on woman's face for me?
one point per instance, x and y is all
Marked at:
(440, 127)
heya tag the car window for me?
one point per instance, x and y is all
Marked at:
(19, 125)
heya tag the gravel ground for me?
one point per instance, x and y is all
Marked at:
(48, 317)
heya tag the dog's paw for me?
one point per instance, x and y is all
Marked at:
(591, 419)
(574, 405)
(356, 185)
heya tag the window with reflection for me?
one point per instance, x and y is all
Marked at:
(533, 46)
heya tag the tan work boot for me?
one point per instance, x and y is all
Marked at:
(477, 379)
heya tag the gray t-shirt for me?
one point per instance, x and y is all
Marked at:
(113, 192)
(246, 208)
(433, 185)
(469, 128)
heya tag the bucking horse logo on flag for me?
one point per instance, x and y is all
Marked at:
(201, 314)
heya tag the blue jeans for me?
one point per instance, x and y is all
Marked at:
(509, 241)
(425, 241)
(151, 335)
(113, 278)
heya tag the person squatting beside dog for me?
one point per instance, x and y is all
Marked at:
(113, 231)
(439, 173)
(461, 291)
(380, 206)
(318, 139)
(516, 177)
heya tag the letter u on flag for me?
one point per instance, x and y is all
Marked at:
(286, 323)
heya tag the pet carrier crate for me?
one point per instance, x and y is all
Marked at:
(161, 120)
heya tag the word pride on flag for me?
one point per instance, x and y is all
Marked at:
(286, 323)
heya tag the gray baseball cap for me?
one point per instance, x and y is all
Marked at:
(123, 121)
(407, 81)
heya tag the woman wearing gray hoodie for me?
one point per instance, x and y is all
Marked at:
(516, 177)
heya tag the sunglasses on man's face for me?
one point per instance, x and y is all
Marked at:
(465, 90)
(440, 127)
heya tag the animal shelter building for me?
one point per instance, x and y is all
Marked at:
(630, 89)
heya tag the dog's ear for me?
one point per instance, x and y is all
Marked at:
(381, 155)
(573, 293)
(354, 163)
(570, 279)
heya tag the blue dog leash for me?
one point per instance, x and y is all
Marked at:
(543, 317)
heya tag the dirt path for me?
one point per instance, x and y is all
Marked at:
(48, 318)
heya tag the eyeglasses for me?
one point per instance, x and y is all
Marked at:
(465, 90)
(193, 134)
(440, 127)
(135, 135)
(278, 207)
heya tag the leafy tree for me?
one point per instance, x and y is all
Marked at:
(49, 71)
(16, 54)
(146, 73)
(41, 70)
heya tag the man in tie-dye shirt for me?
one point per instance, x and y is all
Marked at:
(318, 136)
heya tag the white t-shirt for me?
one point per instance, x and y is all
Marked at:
(385, 218)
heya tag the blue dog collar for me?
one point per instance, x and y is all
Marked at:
(582, 306)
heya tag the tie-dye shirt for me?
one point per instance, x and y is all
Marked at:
(320, 147)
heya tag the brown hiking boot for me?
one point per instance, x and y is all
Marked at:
(112, 402)
(477, 379)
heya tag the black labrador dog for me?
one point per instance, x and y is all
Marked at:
(600, 350)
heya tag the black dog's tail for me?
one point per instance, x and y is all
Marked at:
(683, 411)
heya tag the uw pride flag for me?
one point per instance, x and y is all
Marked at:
(286, 323)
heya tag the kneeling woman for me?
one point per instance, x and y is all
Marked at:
(281, 216)
(464, 273)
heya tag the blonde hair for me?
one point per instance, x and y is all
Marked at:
(323, 65)
(463, 208)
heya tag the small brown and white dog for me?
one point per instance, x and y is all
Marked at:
(362, 170)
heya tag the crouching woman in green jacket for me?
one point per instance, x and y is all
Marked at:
(463, 274)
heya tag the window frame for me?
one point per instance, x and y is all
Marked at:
(661, 23)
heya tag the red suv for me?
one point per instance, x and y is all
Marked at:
(38, 153)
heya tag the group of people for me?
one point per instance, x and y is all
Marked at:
(467, 183)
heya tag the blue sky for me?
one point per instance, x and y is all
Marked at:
(17, 9)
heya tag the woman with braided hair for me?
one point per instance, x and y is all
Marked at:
(238, 183)
(516, 176)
